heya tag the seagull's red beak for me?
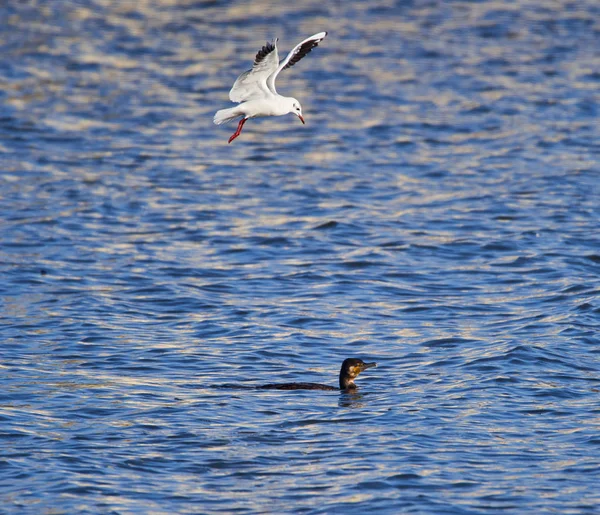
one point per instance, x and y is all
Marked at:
(301, 119)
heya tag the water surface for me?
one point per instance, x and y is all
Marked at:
(438, 214)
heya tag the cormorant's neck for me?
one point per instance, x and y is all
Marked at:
(346, 382)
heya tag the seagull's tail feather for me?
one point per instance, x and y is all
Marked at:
(226, 115)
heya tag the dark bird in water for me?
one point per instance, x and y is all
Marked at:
(351, 367)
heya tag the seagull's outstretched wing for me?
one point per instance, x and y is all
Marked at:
(253, 83)
(299, 51)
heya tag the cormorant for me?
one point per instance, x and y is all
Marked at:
(351, 367)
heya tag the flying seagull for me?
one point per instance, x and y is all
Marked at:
(255, 91)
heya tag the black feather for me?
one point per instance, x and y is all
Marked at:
(263, 52)
(302, 51)
(297, 386)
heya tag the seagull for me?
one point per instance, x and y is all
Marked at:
(255, 91)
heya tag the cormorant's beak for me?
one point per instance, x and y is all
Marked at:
(369, 365)
(301, 119)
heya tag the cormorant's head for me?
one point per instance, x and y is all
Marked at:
(351, 367)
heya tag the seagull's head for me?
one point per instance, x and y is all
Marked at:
(296, 108)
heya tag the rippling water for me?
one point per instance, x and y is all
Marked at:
(438, 214)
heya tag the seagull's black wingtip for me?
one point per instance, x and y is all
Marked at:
(264, 52)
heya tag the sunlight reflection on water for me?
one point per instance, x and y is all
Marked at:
(437, 214)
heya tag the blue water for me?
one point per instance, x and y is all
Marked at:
(438, 214)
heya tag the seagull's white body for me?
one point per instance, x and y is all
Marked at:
(255, 89)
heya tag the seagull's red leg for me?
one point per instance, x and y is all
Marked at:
(238, 131)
